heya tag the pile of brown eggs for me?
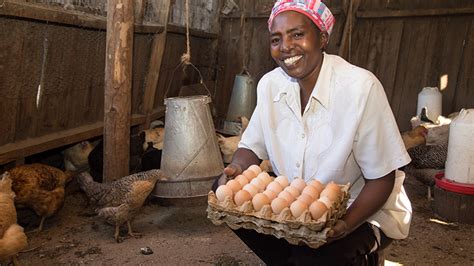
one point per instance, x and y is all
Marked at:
(262, 189)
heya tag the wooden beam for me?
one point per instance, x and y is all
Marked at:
(253, 15)
(68, 17)
(346, 41)
(118, 88)
(414, 12)
(192, 32)
(18, 150)
(154, 66)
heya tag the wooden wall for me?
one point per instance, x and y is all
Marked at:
(407, 44)
(61, 49)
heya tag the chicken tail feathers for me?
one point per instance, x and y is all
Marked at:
(13, 241)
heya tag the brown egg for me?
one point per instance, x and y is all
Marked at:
(316, 184)
(305, 198)
(298, 183)
(332, 194)
(297, 208)
(278, 204)
(255, 168)
(265, 177)
(311, 191)
(249, 174)
(259, 184)
(251, 188)
(222, 192)
(328, 202)
(317, 209)
(334, 187)
(293, 191)
(259, 201)
(242, 196)
(283, 180)
(287, 196)
(275, 187)
(234, 185)
(242, 180)
(270, 194)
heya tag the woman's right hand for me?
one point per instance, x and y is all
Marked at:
(230, 172)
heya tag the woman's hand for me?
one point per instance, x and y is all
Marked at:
(231, 171)
(338, 231)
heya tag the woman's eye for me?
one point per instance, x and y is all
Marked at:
(275, 41)
(298, 35)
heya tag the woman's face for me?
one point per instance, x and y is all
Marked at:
(296, 45)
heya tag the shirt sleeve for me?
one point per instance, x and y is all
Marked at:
(252, 137)
(378, 146)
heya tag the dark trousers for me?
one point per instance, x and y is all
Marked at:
(353, 249)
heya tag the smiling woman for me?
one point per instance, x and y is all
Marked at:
(318, 116)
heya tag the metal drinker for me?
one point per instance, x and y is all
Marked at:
(243, 98)
(191, 157)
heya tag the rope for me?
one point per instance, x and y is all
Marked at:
(186, 57)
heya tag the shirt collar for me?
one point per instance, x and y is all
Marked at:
(321, 89)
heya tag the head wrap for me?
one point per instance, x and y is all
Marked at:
(315, 10)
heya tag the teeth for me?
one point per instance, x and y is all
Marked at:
(292, 60)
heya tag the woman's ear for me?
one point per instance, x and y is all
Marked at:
(323, 40)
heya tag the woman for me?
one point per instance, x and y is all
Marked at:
(318, 116)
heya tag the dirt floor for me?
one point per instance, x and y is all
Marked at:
(182, 235)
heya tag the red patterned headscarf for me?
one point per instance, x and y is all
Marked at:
(315, 10)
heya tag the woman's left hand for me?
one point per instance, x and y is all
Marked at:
(338, 231)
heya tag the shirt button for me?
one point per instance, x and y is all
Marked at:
(302, 135)
(298, 165)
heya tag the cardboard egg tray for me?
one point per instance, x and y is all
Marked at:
(297, 231)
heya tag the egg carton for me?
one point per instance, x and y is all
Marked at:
(297, 231)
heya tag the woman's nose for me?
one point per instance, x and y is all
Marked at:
(286, 45)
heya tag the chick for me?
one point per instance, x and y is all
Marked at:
(75, 157)
(39, 187)
(12, 237)
(414, 137)
(119, 201)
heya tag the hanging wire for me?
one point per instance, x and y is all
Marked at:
(186, 57)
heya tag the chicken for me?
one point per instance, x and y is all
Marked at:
(156, 136)
(119, 201)
(12, 236)
(75, 157)
(229, 145)
(414, 137)
(39, 187)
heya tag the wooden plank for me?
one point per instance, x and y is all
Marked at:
(464, 97)
(117, 102)
(13, 151)
(409, 71)
(192, 32)
(414, 12)
(63, 16)
(154, 66)
(389, 55)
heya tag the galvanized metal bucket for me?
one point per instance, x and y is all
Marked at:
(243, 98)
(191, 157)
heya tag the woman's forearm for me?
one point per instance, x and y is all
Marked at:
(373, 196)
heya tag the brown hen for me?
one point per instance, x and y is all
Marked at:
(12, 237)
(39, 187)
(119, 201)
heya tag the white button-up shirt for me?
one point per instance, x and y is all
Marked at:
(347, 132)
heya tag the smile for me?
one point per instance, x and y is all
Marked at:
(292, 60)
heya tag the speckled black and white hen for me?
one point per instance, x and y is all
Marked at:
(119, 201)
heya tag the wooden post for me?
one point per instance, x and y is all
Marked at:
(345, 47)
(117, 101)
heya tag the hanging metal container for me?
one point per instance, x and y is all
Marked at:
(191, 156)
(243, 98)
